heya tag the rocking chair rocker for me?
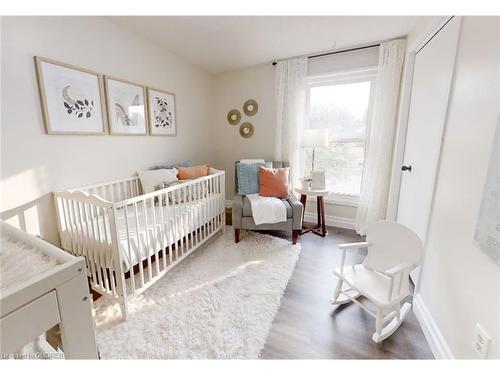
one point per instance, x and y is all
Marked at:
(383, 277)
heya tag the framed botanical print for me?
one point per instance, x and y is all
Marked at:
(161, 112)
(126, 104)
(71, 97)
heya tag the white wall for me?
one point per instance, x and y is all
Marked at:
(231, 90)
(34, 164)
(460, 285)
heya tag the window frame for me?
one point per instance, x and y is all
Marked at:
(338, 78)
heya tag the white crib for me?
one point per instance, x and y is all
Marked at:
(121, 232)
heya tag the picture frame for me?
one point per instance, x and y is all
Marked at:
(162, 116)
(71, 98)
(126, 107)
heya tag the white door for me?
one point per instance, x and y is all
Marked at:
(432, 75)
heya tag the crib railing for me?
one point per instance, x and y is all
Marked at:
(115, 191)
(85, 223)
(129, 240)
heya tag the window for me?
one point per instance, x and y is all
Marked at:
(343, 107)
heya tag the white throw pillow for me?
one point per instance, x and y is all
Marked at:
(151, 179)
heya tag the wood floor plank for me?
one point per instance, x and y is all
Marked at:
(307, 326)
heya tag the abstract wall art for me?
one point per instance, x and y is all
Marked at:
(126, 103)
(71, 97)
(162, 116)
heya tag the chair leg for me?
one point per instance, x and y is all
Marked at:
(345, 297)
(236, 235)
(295, 235)
(398, 316)
(379, 322)
(336, 293)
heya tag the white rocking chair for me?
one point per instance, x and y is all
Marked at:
(383, 277)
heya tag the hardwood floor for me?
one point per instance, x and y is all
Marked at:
(307, 326)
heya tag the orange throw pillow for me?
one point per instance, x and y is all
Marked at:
(274, 182)
(188, 173)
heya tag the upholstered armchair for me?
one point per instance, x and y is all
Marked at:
(242, 212)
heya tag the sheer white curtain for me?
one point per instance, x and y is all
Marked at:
(291, 102)
(378, 160)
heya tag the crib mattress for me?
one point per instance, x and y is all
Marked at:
(143, 237)
(20, 262)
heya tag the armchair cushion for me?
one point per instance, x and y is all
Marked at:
(247, 208)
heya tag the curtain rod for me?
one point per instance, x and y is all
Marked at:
(342, 51)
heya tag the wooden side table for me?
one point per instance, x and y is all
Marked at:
(320, 227)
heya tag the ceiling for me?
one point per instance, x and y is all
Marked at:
(218, 43)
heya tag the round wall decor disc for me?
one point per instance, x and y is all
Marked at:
(234, 117)
(250, 107)
(246, 130)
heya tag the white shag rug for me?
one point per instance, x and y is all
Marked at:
(218, 303)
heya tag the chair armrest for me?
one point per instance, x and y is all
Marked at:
(391, 272)
(355, 245)
(349, 246)
(237, 210)
(297, 212)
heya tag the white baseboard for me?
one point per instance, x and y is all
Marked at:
(332, 221)
(432, 333)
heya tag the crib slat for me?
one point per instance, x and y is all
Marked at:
(107, 233)
(181, 224)
(74, 228)
(190, 216)
(68, 221)
(139, 247)
(185, 216)
(200, 210)
(89, 256)
(82, 240)
(89, 223)
(197, 211)
(98, 239)
(100, 254)
(169, 228)
(193, 216)
(211, 206)
(175, 231)
(146, 231)
(156, 240)
(163, 231)
(129, 250)
(78, 226)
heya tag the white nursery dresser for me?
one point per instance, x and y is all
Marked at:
(39, 300)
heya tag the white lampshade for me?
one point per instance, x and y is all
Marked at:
(312, 138)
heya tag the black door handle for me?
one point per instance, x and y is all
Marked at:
(406, 168)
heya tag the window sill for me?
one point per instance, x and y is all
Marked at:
(343, 200)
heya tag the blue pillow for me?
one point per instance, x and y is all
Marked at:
(170, 166)
(248, 177)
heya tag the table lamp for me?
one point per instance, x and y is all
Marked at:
(314, 138)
